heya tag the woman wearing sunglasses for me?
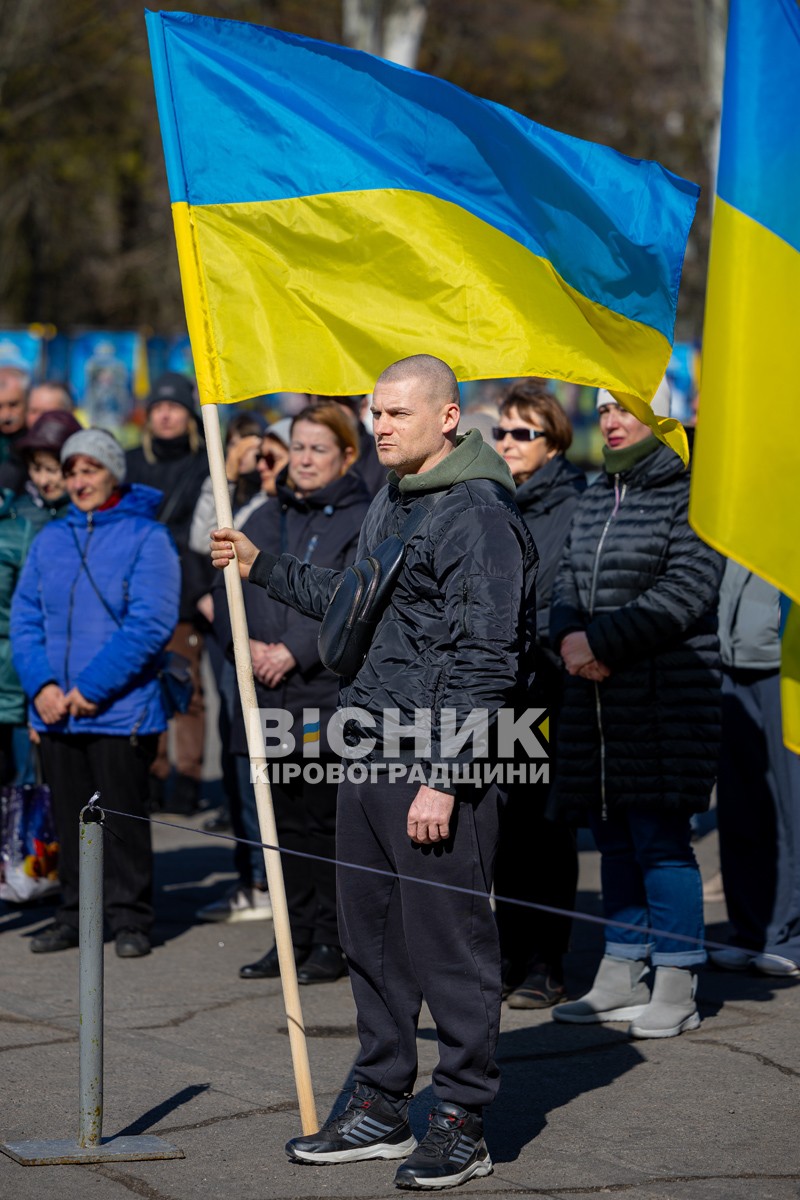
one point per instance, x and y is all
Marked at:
(274, 455)
(537, 860)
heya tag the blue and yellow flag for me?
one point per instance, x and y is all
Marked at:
(746, 476)
(335, 212)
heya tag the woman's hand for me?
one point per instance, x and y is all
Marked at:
(576, 652)
(51, 703)
(205, 606)
(596, 671)
(241, 457)
(579, 658)
(257, 650)
(223, 542)
(78, 705)
(277, 662)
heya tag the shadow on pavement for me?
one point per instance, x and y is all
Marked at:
(543, 1067)
(180, 887)
(157, 1114)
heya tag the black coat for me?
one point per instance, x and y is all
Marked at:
(322, 529)
(547, 502)
(179, 474)
(458, 631)
(644, 587)
(13, 471)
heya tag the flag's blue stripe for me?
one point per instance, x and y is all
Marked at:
(266, 115)
(759, 165)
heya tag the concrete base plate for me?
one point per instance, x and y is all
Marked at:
(47, 1152)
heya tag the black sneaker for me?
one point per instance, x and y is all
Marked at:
(57, 936)
(540, 989)
(369, 1127)
(452, 1151)
(132, 943)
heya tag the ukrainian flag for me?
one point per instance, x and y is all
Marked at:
(746, 477)
(335, 212)
(311, 742)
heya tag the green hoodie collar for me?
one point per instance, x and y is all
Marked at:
(470, 458)
(617, 461)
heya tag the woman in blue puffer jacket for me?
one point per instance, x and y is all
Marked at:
(95, 606)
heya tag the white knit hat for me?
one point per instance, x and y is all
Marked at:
(661, 403)
(280, 430)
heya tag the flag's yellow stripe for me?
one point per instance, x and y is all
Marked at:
(307, 294)
(202, 327)
(746, 483)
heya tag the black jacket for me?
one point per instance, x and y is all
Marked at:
(547, 502)
(322, 529)
(179, 474)
(458, 631)
(13, 471)
(644, 588)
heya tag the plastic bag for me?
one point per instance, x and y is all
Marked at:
(28, 844)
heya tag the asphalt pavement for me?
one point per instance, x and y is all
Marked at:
(201, 1059)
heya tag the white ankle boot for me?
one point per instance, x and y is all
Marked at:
(672, 1008)
(618, 994)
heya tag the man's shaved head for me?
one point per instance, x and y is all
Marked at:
(437, 379)
(415, 414)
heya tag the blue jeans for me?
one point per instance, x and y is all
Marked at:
(650, 878)
(248, 860)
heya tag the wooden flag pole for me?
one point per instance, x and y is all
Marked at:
(258, 756)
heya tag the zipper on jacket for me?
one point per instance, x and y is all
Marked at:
(618, 499)
(603, 805)
(68, 646)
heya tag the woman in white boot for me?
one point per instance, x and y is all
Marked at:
(634, 617)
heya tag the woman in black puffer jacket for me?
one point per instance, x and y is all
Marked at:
(634, 617)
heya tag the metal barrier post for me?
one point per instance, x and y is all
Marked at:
(90, 1034)
(90, 1146)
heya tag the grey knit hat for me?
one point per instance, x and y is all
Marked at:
(100, 445)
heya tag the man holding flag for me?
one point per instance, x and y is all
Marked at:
(456, 635)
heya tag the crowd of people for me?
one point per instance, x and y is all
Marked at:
(523, 586)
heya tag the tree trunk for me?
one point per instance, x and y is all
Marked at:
(392, 29)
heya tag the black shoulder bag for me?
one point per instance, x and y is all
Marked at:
(362, 594)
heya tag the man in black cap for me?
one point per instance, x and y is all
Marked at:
(172, 458)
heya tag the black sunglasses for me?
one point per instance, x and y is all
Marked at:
(269, 459)
(520, 434)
